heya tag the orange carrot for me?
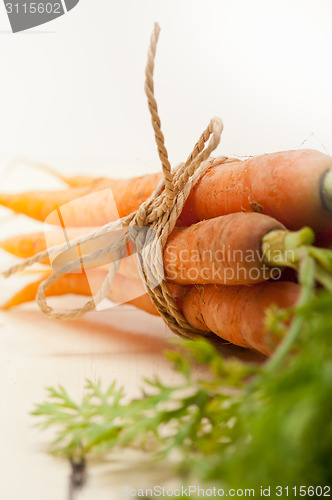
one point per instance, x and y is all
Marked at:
(128, 196)
(292, 186)
(69, 283)
(237, 313)
(80, 180)
(72, 181)
(225, 250)
(295, 187)
(264, 184)
(28, 245)
(75, 181)
(40, 204)
(25, 245)
(80, 284)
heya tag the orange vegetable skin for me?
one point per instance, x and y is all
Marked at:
(79, 180)
(285, 185)
(28, 245)
(25, 245)
(224, 250)
(39, 204)
(237, 313)
(127, 194)
(78, 284)
(70, 283)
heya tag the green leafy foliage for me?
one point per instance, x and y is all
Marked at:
(239, 423)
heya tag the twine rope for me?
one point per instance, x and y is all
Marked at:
(158, 214)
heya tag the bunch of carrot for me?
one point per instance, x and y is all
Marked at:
(261, 208)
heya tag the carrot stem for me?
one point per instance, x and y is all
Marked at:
(323, 256)
(281, 248)
(324, 278)
(307, 274)
(296, 239)
(326, 190)
(285, 248)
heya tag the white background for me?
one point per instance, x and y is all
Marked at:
(71, 93)
(75, 89)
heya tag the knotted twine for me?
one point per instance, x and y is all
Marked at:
(159, 213)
